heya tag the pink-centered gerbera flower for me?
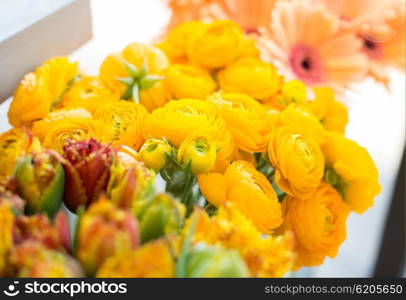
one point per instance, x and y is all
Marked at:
(307, 42)
(384, 42)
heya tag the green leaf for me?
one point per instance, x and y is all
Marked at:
(128, 81)
(149, 81)
(131, 70)
(181, 263)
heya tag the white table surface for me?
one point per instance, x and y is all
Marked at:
(377, 122)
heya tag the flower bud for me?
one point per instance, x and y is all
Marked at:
(104, 231)
(129, 182)
(154, 153)
(87, 169)
(33, 259)
(40, 181)
(199, 151)
(213, 261)
(158, 216)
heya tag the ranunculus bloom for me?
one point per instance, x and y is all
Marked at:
(298, 161)
(245, 118)
(351, 170)
(104, 231)
(217, 45)
(15, 143)
(248, 190)
(40, 90)
(61, 132)
(200, 151)
(332, 114)
(126, 120)
(153, 259)
(250, 76)
(318, 224)
(139, 65)
(302, 122)
(178, 119)
(265, 256)
(154, 153)
(89, 93)
(87, 170)
(189, 81)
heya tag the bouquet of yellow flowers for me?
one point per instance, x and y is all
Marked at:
(189, 158)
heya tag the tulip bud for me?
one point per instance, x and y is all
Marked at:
(129, 182)
(33, 259)
(158, 216)
(212, 261)
(40, 181)
(154, 153)
(199, 151)
(9, 196)
(104, 231)
(39, 228)
(87, 169)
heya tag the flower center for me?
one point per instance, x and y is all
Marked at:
(372, 49)
(306, 64)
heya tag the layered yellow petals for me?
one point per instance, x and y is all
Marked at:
(246, 119)
(14, 144)
(189, 81)
(331, 113)
(269, 256)
(302, 122)
(179, 119)
(248, 190)
(177, 40)
(62, 131)
(153, 259)
(250, 76)
(126, 119)
(298, 162)
(40, 90)
(318, 224)
(155, 96)
(216, 45)
(89, 93)
(351, 170)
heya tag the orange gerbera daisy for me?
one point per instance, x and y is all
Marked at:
(308, 43)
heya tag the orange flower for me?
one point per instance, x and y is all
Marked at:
(248, 190)
(89, 93)
(40, 90)
(298, 161)
(126, 120)
(246, 119)
(318, 224)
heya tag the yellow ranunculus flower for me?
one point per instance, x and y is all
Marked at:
(62, 131)
(140, 66)
(198, 150)
(6, 238)
(14, 144)
(155, 96)
(250, 76)
(154, 153)
(175, 43)
(249, 48)
(331, 113)
(318, 224)
(89, 93)
(248, 190)
(298, 162)
(41, 128)
(270, 256)
(351, 170)
(153, 259)
(40, 90)
(189, 81)
(246, 119)
(126, 120)
(217, 45)
(178, 119)
(292, 91)
(302, 122)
